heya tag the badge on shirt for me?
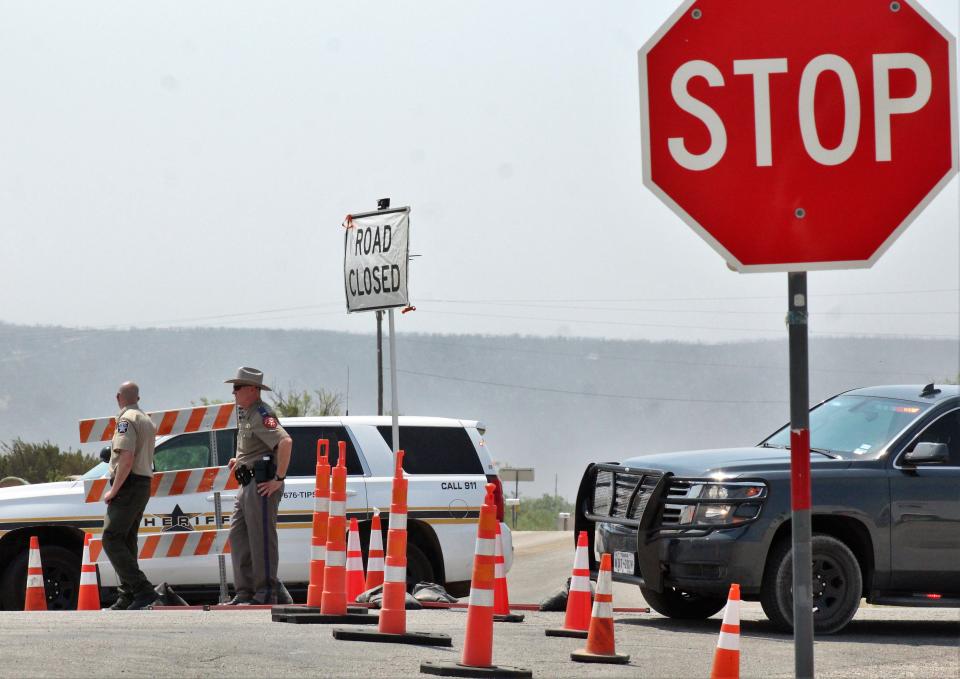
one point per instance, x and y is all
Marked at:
(270, 422)
(122, 426)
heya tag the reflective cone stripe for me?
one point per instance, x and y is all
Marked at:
(478, 642)
(578, 600)
(393, 613)
(375, 554)
(166, 422)
(501, 597)
(171, 545)
(166, 484)
(321, 515)
(35, 598)
(726, 658)
(355, 578)
(88, 598)
(334, 598)
(600, 637)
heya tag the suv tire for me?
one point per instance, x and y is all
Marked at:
(674, 603)
(61, 578)
(419, 568)
(837, 585)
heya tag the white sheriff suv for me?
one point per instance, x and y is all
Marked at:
(446, 462)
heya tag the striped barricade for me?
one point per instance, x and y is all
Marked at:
(165, 484)
(168, 545)
(182, 421)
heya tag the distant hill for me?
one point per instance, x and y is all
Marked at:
(550, 403)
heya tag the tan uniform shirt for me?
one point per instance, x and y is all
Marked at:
(258, 433)
(135, 432)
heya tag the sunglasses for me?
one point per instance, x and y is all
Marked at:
(238, 387)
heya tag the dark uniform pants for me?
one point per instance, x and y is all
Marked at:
(253, 543)
(120, 528)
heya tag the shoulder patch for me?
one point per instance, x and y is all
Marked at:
(269, 421)
(122, 426)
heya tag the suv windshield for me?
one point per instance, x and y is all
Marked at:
(854, 426)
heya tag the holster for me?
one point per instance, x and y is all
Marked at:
(243, 474)
(264, 470)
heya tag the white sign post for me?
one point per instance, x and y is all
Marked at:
(375, 253)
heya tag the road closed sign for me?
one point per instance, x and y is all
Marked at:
(795, 136)
(376, 246)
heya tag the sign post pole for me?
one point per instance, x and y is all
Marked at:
(394, 408)
(800, 475)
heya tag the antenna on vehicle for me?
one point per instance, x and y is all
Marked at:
(930, 390)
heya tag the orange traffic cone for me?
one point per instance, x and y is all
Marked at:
(321, 514)
(726, 659)
(577, 619)
(35, 598)
(478, 641)
(354, 562)
(501, 597)
(375, 553)
(600, 644)
(393, 609)
(89, 597)
(334, 599)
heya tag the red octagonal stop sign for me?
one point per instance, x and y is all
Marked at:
(799, 135)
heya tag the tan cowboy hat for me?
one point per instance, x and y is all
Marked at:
(249, 377)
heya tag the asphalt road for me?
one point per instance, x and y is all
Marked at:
(881, 642)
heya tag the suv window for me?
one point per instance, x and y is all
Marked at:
(184, 452)
(945, 430)
(303, 458)
(435, 450)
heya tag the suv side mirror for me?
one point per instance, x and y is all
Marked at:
(105, 454)
(928, 453)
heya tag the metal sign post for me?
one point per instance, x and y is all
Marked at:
(800, 475)
(516, 474)
(218, 520)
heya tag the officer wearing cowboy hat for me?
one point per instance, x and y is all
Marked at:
(261, 444)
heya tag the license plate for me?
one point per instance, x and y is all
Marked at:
(623, 562)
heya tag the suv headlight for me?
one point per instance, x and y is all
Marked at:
(743, 503)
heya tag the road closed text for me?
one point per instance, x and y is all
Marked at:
(375, 259)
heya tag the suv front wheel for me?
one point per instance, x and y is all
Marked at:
(674, 603)
(837, 585)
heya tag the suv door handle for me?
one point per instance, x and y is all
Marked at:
(223, 498)
(351, 493)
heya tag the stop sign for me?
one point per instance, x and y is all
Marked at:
(799, 135)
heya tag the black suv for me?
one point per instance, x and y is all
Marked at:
(885, 474)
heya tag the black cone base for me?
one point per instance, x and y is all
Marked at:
(613, 659)
(413, 638)
(564, 632)
(454, 669)
(509, 617)
(297, 610)
(320, 619)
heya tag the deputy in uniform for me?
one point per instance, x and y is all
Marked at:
(263, 450)
(131, 471)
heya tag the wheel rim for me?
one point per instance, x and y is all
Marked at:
(829, 586)
(60, 586)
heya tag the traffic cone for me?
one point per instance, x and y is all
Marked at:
(600, 643)
(478, 642)
(35, 598)
(576, 623)
(321, 514)
(333, 600)
(726, 659)
(354, 562)
(375, 553)
(89, 597)
(393, 609)
(501, 597)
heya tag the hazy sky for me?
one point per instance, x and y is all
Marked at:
(186, 163)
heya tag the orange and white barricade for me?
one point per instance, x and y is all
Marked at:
(477, 656)
(601, 647)
(166, 422)
(173, 544)
(165, 484)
